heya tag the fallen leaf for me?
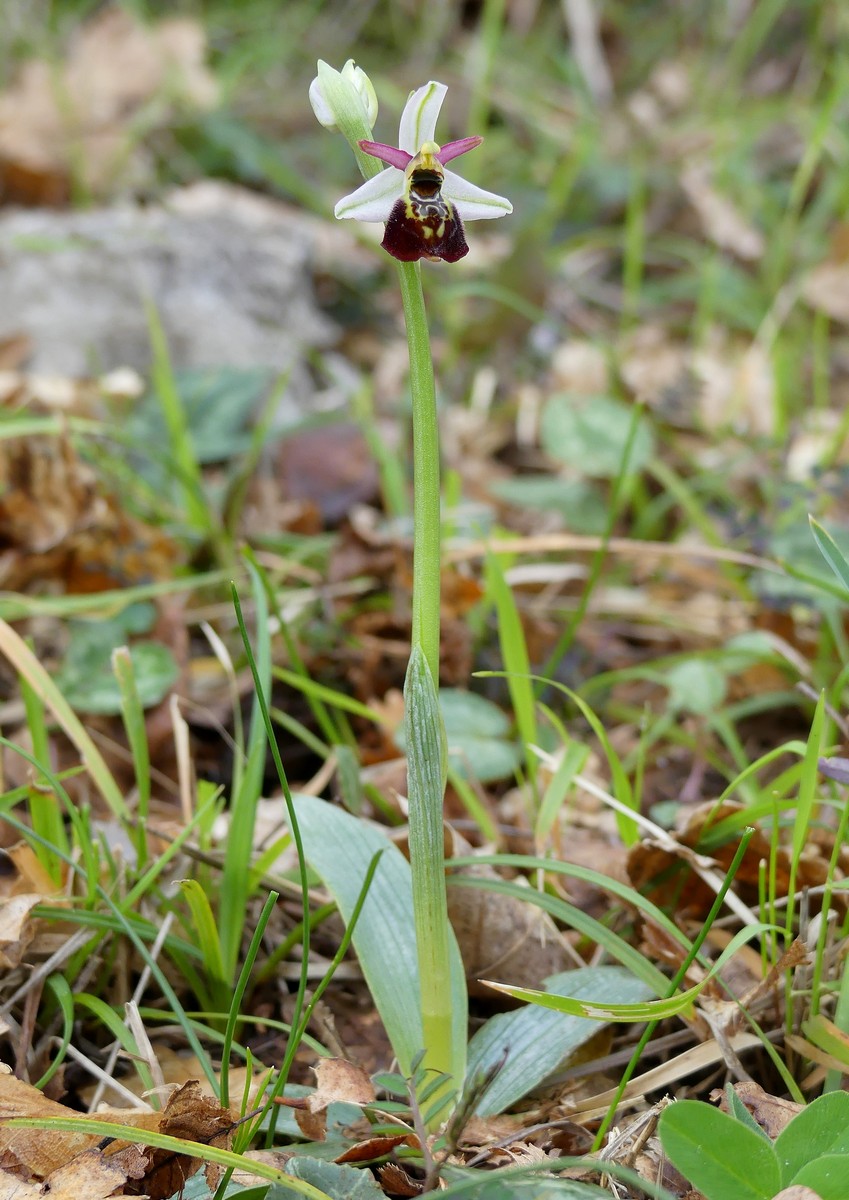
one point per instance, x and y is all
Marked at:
(329, 467)
(191, 1115)
(667, 878)
(57, 522)
(88, 1176)
(376, 1147)
(38, 1153)
(826, 289)
(503, 938)
(721, 222)
(17, 928)
(396, 1181)
(772, 1113)
(336, 1080)
(797, 1191)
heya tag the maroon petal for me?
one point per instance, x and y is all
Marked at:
(412, 234)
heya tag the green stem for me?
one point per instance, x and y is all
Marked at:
(427, 758)
(426, 490)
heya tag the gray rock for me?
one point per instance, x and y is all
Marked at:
(226, 270)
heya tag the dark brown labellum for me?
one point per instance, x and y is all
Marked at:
(425, 224)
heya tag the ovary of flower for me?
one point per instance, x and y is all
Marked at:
(422, 203)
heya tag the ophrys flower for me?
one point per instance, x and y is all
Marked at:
(423, 204)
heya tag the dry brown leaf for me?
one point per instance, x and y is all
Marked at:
(17, 928)
(38, 1153)
(797, 1191)
(30, 875)
(330, 468)
(88, 1176)
(77, 122)
(502, 938)
(30, 1150)
(336, 1080)
(190, 1115)
(721, 222)
(771, 1112)
(826, 289)
(396, 1182)
(666, 877)
(376, 1147)
(55, 522)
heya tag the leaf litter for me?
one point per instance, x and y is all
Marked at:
(724, 481)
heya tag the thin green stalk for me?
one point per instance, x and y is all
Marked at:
(241, 986)
(426, 743)
(426, 489)
(262, 720)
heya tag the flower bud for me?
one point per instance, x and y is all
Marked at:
(350, 88)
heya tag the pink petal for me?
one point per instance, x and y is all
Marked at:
(455, 149)
(388, 154)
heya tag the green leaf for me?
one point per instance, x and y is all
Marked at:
(827, 1176)
(336, 1180)
(86, 676)
(828, 1037)
(696, 686)
(217, 404)
(514, 655)
(536, 1040)
(821, 1128)
(90, 685)
(533, 1187)
(478, 741)
(650, 1010)
(740, 1113)
(340, 847)
(720, 1157)
(591, 434)
(206, 930)
(444, 1041)
(831, 552)
(578, 502)
(197, 1188)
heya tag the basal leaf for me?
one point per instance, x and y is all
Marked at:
(537, 1040)
(821, 1128)
(721, 1157)
(340, 847)
(591, 434)
(336, 1180)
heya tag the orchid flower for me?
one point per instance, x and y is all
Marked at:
(423, 204)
